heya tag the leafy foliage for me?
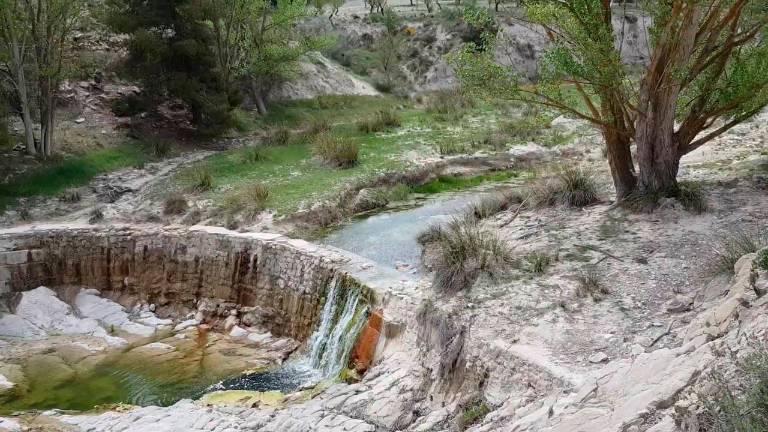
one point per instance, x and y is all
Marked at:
(708, 60)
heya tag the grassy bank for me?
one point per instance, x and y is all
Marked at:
(296, 179)
(56, 175)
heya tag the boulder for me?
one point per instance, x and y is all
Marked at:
(369, 199)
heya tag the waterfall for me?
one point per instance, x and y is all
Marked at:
(341, 321)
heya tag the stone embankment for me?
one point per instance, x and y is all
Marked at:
(274, 282)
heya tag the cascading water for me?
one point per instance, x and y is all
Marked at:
(329, 347)
(340, 323)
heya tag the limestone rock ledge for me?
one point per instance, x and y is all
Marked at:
(176, 267)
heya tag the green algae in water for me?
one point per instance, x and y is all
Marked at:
(53, 384)
(141, 377)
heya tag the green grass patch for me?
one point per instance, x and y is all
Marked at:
(452, 183)
(55, 176)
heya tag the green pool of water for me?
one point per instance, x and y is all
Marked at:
(68, 379)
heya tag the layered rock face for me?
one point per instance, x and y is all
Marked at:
(284, 281)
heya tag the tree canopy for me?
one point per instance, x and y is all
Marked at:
(708, 72)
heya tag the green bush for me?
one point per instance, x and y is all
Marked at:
(738, 403)
(279, 136)
(338, 151)
(466, 250)
(732, 245)
(250, 200)
(382, 120)
(692, 196)
(316, 126)
(242, 120)
(571, 187)
(473, 414)
(449, 104)
(451, 147)
(253, 155)
(160, 148)
(762, 258)
(202, 180)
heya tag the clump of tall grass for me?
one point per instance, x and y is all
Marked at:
(537, 262)
(730, 246)
(590, 283)
(494, 204)
(202, 180)
(253, 155)
(250, 200)
(450, 104)
(316, 126)
(738, 401)
(380, 121)
(466, 250)
(337, 151)
(278, 136)
(571, 187)
(175, 204)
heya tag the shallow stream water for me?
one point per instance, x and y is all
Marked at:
(389, 237)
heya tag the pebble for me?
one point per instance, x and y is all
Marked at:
(598, 357)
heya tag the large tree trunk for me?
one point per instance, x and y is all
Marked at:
(657, 146)
(620, 161)
(657, 153)
(46, 117)
(21, 91)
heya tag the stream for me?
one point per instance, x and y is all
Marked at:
(389, 237)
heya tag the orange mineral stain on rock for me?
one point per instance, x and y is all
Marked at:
(365, 348)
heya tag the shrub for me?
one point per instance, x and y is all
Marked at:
(451, 147)
(762, 258)
(538, 262)
(160, 148)
(250, 200)
(242, 121)
(465, 251)
(175, 204)
(253, 155)
(202, 180)
(733, 245)
(450, 104)
(279, 136)
(473, 415)
(316, 126)
(399, 192)
(338, 151)
(572, 187)
(432, 234)
(691, 195)
(590, 283)
(494, 204)
(738, 403)
(382, 120)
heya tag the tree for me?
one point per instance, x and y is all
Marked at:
(275, 47)
(50, 24)
(171, 52)
(35, 37)
(14, 57)
(388, 47)
(708, 72)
